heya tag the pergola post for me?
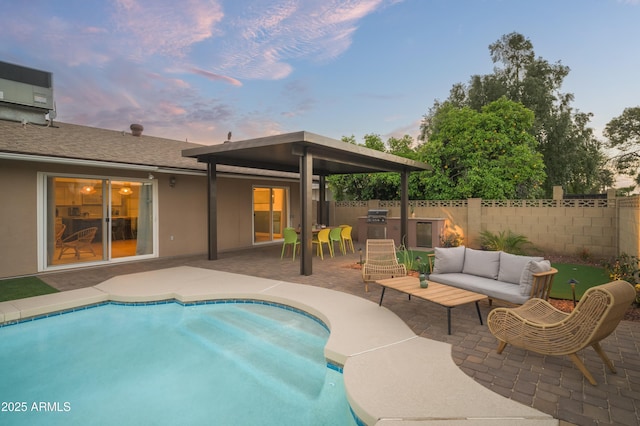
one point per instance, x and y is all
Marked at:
(323, 213)
(306, 204)
(404, 204)
(212, 192)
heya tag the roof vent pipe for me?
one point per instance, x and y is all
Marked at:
(136, 129)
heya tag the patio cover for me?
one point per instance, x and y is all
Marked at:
(306, 154)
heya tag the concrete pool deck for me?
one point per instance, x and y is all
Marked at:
(392, 376)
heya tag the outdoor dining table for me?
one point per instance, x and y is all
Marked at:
(315, 230)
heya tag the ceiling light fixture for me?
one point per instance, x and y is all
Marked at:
(88, 189)
(125, 190)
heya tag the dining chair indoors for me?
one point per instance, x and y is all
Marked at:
(118, 227)
(290, 239)
(320, 239)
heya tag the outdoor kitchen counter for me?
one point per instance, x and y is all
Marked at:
(423, 232)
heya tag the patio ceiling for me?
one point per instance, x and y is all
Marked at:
(307, 154)
(283, 152)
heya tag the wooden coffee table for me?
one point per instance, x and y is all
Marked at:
(443, 295)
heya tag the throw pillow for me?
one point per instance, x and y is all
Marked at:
(448, 260)
(481, 263)
(533, 267)
(511, 267)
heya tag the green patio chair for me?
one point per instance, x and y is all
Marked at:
(336, 237)
(290, 238)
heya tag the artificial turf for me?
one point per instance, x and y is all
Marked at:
(19, 288)
(586, 276)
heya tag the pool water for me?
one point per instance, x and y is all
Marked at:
(227, 364)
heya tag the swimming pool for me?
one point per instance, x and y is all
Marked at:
(169, 363)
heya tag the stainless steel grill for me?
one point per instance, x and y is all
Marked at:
(377, 224)
(377, 216)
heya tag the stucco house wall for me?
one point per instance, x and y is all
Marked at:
(182, 212)
(18, 215)
(235, 220)
(26, 152)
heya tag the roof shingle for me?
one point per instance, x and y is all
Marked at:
(89, 143)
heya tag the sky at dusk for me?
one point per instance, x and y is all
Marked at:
(197, 69)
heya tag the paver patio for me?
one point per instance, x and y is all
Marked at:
(550, 384)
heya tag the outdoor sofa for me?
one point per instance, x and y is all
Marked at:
(496, 274)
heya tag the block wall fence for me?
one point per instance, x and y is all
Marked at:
(603, 228)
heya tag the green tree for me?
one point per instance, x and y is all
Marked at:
(373, 186)
(488, 154)
(573, 157)
(623, 133)
(374, 141)
(403, 147)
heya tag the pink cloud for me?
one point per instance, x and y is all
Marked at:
(166, 27)
(94, 30)
(169, 108)
(267, 35)
(215, 77)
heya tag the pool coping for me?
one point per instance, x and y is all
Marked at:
(392, 376)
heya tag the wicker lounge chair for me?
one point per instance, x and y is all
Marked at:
(537, 326)
(381, 262)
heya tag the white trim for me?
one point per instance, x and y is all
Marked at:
(41, 225)
(75, 161)
(139, 167)
(97, 163)
(41, 220)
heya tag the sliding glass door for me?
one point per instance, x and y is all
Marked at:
(131, 219)
(97, 219)
(270, 213)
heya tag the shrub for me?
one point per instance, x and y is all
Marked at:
(624, 267)
(504, 241)
(584, 254)
(405, 256)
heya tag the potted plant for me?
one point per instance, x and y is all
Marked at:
(423, 271)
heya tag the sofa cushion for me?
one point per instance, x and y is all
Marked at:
(533, 267)
(448, 260)
(481, 263)
(511, 266)
(493, 288)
